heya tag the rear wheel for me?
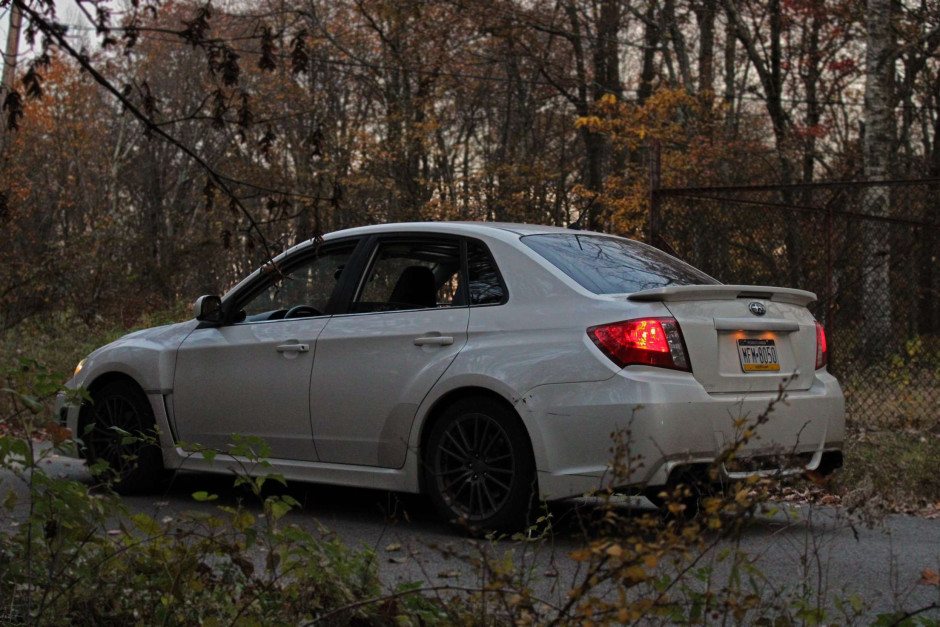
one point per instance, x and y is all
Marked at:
(122, 433)
(478, 466)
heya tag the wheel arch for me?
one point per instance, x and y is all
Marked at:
(447, 400)
(96, 384)
(109, 377)
(133, 466)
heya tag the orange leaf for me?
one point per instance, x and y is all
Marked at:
(57, 433)
(817, 477)
(929, 578)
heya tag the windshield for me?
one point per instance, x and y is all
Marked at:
(612, 265)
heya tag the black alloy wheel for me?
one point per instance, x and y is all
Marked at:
(123, 434)
(478, 466)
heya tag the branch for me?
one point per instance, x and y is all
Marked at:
(397, 595)
(222, 181)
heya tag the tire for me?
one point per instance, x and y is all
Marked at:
(133, 467)
(478, 467)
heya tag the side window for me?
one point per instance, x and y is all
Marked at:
(486, 287)
(411, 275)
(303, 290)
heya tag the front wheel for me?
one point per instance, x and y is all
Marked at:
(120, 430)
(478, 466)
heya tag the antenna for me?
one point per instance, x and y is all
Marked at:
(576, 225)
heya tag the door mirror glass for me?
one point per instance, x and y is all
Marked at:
(208, 309)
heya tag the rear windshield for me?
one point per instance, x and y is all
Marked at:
(611, 265)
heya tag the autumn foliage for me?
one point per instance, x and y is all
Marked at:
(181, 143)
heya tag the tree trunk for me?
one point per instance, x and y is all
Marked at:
(650, 44)
(603, 79)
(730, 53)
(678, 44)
(770, 72)
(876, 282)
(705, 16)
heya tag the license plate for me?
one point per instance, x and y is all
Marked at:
(758, 355)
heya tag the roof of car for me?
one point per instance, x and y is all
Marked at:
(452, 227)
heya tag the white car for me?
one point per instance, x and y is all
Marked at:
(484, 364)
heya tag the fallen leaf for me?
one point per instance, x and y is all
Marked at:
(394, 546)
(930, 578)
(817, 477)
(58, 434)
(448, 574)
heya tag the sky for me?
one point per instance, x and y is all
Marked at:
(68, 13)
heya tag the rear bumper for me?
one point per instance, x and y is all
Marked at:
(664, 420)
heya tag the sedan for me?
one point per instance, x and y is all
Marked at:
(487, 365)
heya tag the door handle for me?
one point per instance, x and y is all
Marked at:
(293, 348)
(434, 340)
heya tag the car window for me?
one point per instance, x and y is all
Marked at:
(486, 287)
(612, 265)
(302, 291)
(411, 275)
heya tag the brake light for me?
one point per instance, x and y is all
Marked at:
(822, 355)
(647, 341)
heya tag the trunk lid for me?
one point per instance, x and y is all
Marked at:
(733, 348)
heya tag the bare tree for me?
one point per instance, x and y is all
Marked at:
(879, 138)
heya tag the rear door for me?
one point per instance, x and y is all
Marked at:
(374, 365)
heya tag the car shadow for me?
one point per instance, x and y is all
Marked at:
(342, 508)
(329, 504)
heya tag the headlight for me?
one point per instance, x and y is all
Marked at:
(79, 367)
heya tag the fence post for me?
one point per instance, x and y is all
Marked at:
(655, 156)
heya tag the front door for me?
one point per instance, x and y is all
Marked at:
(249, 379)
(251, 376)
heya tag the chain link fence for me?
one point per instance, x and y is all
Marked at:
(868, 250)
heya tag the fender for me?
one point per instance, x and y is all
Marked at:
(148, 357)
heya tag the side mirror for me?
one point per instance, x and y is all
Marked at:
(208, 309)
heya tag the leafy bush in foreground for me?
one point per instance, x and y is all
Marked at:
(80, 557)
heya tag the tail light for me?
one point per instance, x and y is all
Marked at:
(647, 341)
(822, 355)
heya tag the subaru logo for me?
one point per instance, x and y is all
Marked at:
(757, 309)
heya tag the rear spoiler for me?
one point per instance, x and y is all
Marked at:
(725, 292)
